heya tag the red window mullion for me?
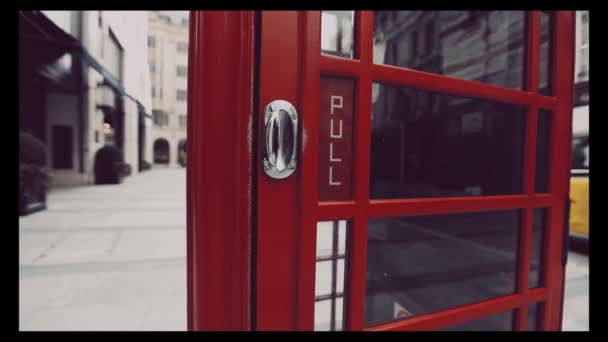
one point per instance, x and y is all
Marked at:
(523, 267)
(454, 86)
(331, 211)
(532, 76)
(339, 66)
(422, 206)
(533, 61)
(463, 313)
(355, 295)
(327, 211)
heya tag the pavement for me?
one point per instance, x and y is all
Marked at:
(576, 297)
(113, 257)
(107, 257)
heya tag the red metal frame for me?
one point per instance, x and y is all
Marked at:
(277, 203)
(563, 80)
(220, 106)
(309, 171)
(287, 211)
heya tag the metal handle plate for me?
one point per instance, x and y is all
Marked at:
(280, 139)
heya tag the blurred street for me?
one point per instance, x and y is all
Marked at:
(113, 258)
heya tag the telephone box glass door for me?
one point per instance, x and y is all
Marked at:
(423, 198)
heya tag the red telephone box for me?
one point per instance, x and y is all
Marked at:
(378, 170)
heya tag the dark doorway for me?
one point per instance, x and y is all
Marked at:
(161, 151)
(181, 152)
(62, 147)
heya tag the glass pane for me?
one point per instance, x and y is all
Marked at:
(543, 149)
(324, 238)
(339, 316)
(534, 316)
(341, 237)
(485, 46)
(322, 315)
(340, 276)
(435, 145)
(323, 278)
(538, 242)
(337, 33)
(425, 264)
(336, 139)
(499, 322)
(544, 86)
(330, 274)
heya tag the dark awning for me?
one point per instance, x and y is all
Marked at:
(42, 43)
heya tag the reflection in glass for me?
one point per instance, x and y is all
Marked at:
(534, 314)
(424, 264)
(337, 33)
(544, 86)
(485, 46)
(543, 145)
(329, 275)
(499, 322)
(538, 242)
(582, 54)
(434, 145)
(580, 152)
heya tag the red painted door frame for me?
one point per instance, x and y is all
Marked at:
(219, 177)
(221, 222)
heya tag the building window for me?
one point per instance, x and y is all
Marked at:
(160, 118)
(99, 18)
(181, 71)
(181, 95)
(152, 67)
(182, 47)
(114, 56)
(160, 93)
(415, 44)
(183, 121)
(151, 41)
(429, 37)
(153, 92)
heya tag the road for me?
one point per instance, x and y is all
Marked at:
(112, 257)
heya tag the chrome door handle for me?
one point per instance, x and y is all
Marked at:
(280, 139)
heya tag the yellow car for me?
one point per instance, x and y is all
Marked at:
(579, 187)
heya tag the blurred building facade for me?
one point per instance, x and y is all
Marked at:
(580, 115)
(84, 83)
(168, 61)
